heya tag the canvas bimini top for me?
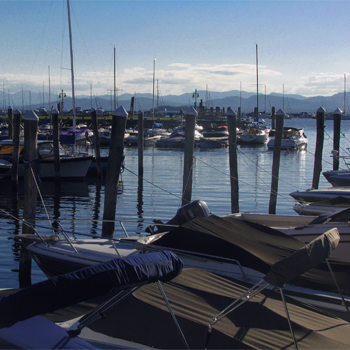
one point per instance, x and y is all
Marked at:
(255, 246)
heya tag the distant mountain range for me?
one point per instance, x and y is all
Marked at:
(295, 104)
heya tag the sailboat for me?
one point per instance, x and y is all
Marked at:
(70, 136)
(256, 132)
(157, 129)
(344, 115)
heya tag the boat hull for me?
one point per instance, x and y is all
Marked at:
(318, 195)
(72, 168)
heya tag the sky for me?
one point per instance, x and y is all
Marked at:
(303, 46)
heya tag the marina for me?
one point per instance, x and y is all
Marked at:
(182, 218)
(144, 245)
(79, 206)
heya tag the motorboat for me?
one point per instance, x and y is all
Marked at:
(255, 133)
(292, 138)
(213, 142)
(5, 166)
(203, 241)
(149, 140)
(177, 139)
(105, 134)
(308, 227)
(72, 166)
(218, 131)
(321, 194)
(322, 207)
(340, 177)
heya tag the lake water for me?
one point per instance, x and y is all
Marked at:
(79, 206)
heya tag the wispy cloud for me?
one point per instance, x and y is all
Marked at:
(178, 78)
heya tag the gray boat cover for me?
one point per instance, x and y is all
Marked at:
(196, 296)
(303, 259)
(255, 246)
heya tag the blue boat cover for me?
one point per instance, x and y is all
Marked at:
(68, 136)
(91, 282)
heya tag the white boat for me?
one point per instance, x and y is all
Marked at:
(255, 133)
(322, 207)
(292, 138)
(177, 139)
(321, 194)
(72, 166)
(105, 134)
(5, 167)
(222, 245)
(157, 130)
(149, 141)
(339, 177)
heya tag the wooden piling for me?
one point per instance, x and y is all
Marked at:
(115, 159)
(239, 115)
(140, 135)
(182, 117)
(232, 137)
(16, 146)
(319, 147)
(56, 145)
(191, 114)
(30, 193)
(336, 136)
(10, 122)
(273, 125)
(276, 159)
(96, 143)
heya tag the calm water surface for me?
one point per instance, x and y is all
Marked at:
(79, 206)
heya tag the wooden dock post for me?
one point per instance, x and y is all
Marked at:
(30, 193)
(276, 159)
(10, 121)
(56, 146)
(239, 115)
(182, 117)
(115, 159)
(273, 116)
(96, 143)
(191, 114)
(140, 143)
(15, 154)
(336, 136)
(232, 144)
(319, 147)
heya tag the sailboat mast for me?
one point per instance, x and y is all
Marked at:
(257, 79)
(71, 64)
(154, 76)
(115, 99)
(344, 93)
